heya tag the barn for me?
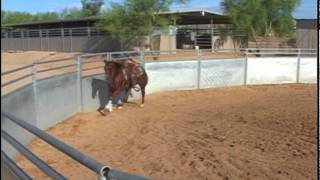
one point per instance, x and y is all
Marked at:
(306, 33)
(189, 28)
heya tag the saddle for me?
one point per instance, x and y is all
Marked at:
(132, 70)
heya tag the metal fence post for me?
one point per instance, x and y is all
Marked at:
(198, 68)
(62, 38)
(35, 92)
(298, 66)
(79, 84)
(48, 43)
(29, 48)
(6, 41)
(142, 60)
(70, 35)
(102, 177)
(21, 34)
(245, 68)
(89, 38)
(40, 33)
(11, 41)
(212, 43)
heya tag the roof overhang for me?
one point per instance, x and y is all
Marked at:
(182, 17)
(196, 16)
(91, 18)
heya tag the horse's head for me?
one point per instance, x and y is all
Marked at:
(109, 67)
(112, 69)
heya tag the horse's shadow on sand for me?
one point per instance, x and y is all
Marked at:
(101, 87)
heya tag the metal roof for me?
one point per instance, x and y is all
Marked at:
(313, 19)
(180, 11)
(53, 21)
(197, 16)
(184, 17)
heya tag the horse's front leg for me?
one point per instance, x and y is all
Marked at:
(101, 110)
(109, 106)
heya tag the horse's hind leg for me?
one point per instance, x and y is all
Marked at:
(143, 92)
(126, 97)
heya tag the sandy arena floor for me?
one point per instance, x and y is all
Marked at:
(14, 60)
(254, 132)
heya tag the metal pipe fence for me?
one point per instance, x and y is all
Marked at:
(146, 56)
(61, 39)
(32, 157)
(103, 171)
(12, 166)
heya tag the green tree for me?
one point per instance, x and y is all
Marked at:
(91, 7)
(71, 13)
(46, 16)
(262, 17)
(13, 17)
(3, 16)
(135, 18)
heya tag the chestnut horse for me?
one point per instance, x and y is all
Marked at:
(125, 75)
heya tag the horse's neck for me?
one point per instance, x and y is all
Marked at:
(117, 76)
(114, 73)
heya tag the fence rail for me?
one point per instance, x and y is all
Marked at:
(60, 32)
(32, 157)
(12, 166)
(17, 69)
(102, 170)
(84, 39)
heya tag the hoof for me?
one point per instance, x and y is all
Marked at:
(142, 105)
(102, 113)
(120, 107)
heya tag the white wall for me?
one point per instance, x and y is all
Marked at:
(279, 70)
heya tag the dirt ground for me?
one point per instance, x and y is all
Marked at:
(14, 60)
(254, 132)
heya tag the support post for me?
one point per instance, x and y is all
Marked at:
(35, 92)
(7, 41)
(62, 39)
(102, 177)
(47, 33)
(211, 37)
(11, 41)
(89, 38)
(198, 68)
(29, 41)
(298, 66)
(142, 60)
(79, 84)
(40, 34)
(245, 68)
(170, 41)
(70, 35)
(21, 37)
